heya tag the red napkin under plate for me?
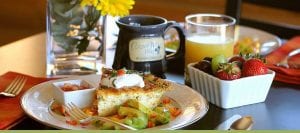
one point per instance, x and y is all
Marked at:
(11, 111)
(287, 75)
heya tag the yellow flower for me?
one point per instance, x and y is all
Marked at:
(115, 7)
(89, 2)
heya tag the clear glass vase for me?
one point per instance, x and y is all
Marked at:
(74, 39)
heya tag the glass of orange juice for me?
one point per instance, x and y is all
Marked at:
(208, 35)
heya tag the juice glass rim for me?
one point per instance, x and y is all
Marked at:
(232, 20)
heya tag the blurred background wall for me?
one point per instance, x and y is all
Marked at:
(22, 18)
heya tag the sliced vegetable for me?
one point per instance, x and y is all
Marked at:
(166, 100)
(121, 72)
(159, 114)
(174, 111)
(72, 122)
(163, 116)
(134, 117)
(85, 123)
(59, 109)
(107, 126)
(90, 111)
(150, 124)
(137, 105)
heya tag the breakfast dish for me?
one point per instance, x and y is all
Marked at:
(258, 40)
(232, 82)
(69, 91)
(35, 103)
(118, 86)
(125, 96)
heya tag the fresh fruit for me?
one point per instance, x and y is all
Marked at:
(237, 58)
(204, 66)
(216, 60)
(254, 67)
(207, 58)
(228, 71)
(234, 68)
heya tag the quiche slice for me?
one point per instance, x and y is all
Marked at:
(109, 98)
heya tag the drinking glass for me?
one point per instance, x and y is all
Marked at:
(208, 35)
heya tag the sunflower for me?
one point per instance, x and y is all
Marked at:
(115, 7)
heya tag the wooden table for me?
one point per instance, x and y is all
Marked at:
(281, 109)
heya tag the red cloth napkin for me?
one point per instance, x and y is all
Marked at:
(10, 108)
(287, 75)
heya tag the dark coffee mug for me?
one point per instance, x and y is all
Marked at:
(140, 44)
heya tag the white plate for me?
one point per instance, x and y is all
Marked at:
(35, 103)
(269, 41)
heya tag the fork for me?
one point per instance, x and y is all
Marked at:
(15, 87)
(77, 114)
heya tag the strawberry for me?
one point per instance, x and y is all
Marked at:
(237, 58)
(254, 67)
(228, 71)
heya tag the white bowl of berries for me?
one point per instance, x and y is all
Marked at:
(79, 92)
(241, 80)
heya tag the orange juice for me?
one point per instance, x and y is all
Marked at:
(198, 47)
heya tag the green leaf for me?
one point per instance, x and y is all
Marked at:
(66, 12)
(92, 17)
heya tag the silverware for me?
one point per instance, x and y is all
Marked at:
(236, 122)
(284, 62)
(244, 123)
(225, 125)
(15, 87)
(77, 114)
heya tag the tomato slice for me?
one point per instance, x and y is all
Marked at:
(166, 100)
(121, 72)
(150, 124)
(72, 122)
(175, 111)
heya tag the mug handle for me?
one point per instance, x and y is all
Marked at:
(181, 50)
